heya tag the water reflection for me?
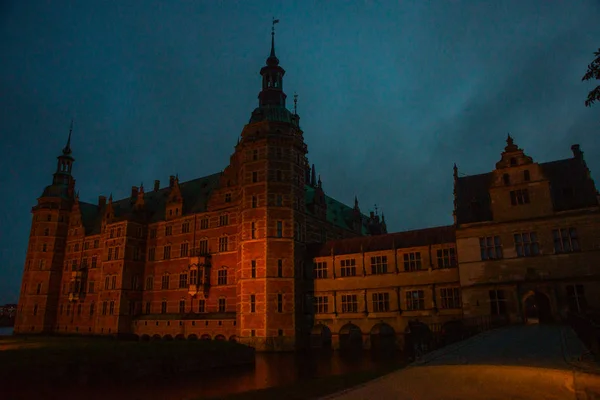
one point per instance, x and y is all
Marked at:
(270, 370)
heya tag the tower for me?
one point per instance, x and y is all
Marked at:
(271, 162)
(45, 254)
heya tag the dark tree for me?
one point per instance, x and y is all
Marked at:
(593, 72)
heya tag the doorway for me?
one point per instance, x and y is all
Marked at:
(537, 309)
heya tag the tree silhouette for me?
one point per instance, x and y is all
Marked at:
(593, 72)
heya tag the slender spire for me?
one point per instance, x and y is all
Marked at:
(295, 103)
(313, 176)
(272, 55)
(67, 149)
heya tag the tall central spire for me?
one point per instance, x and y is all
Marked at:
(272, 94)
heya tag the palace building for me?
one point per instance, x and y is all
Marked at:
(260, 254)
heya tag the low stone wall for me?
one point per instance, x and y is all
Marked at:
(97, 361)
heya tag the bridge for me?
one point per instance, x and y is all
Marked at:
(515, 362)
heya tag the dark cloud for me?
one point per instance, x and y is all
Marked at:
(390, 95)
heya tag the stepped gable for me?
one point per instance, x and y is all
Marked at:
(195, 195)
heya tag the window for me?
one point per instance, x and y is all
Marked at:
(104, 307)
(280, 268)
(253, 230)
(149, 282)
(39, 288)
(112, 308)
(91, 287)
(254, 154)
(106, 283)
(497, 302)
(110, 254)
(450, 298)
(91, 309)
(490, 247)
(348, 267)
(44, 247)
(224, 220)
(254, 201)
(185, 227)
(254, 176)
(526, 176)
(163, 307)
(279, 229)
(148, 309)
(412, 261)
(252, 303)
(321, 270)
(181, 306)
(113, 283)
(204, 223)
(168, 230)
(49, 217)
(279, 302)
(46, 232)
(203, 246)
(565, 240)
(279, 200)
(526, 244)
(506, 179)
(151, 254)
(86, 245)
(279, 332)
(222, 277)
(379, 265)
(223, 242)
(167, 252)
(68, 309)
(84, 263)
(576, 298)
(96, 243)
(137, 253)
(112, 232)
(252, 332)
(42, 264)
(118, 232)
(79, 309)
(153, 233)
(201, 306)
(193, 277)
(253, 268)
(140, 232)
(165, 282)
(447, 258)
(183, 250)
(415, 300)
(116, 253)
(222, 305)
(183, 281)
(349, 303)
(513, 161)
(321, 304)
(519, 197)
(381, 302)
(94, 261)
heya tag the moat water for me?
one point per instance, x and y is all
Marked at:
(270, 370)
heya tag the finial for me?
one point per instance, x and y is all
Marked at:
(67, 149)
(509, 140)
(319, 181)
(455, 169)
(355, 202)
(375, 209)
(275, 21)
(110, 198)
(295, 103)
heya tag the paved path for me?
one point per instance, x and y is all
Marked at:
(519, 362)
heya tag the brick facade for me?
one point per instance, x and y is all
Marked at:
(260, 254)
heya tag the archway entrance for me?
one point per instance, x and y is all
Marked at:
(350, 338)
(383, 338)
(320, 337)
(537, 308)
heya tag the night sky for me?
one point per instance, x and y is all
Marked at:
(391, 94)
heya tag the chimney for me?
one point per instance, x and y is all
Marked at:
(134, 192)
(172, 181)
(577, 153)
(156, 185)
(101, 201)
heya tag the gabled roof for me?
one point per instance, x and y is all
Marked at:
(570, 187)
(195, 195)
(414, 238)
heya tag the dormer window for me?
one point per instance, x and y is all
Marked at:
(506, 179)
(513, 161)
(227, 197)
(526, 176)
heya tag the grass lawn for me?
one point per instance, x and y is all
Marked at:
(315, 388)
